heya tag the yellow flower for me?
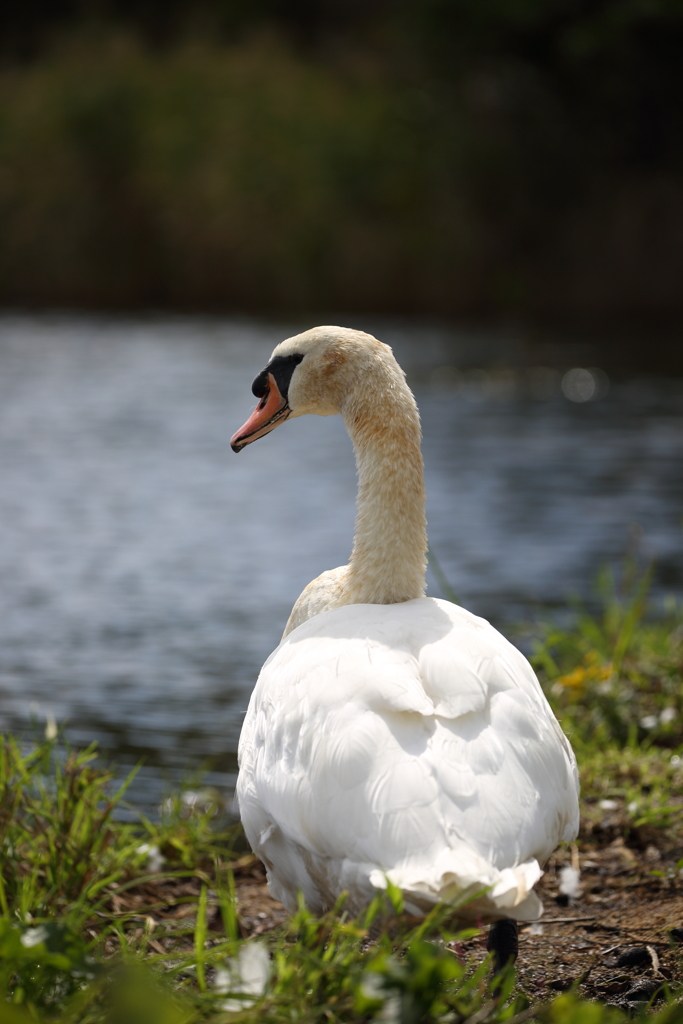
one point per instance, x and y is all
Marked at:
(590, 671)
(576, 678)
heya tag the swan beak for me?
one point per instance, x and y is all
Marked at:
(271, 410)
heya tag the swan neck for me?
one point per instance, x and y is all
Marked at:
(388, 562)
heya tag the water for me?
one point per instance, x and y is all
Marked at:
(147, 571)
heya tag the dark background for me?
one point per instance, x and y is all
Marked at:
(475, 160)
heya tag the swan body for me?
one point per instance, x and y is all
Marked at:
(391, 735)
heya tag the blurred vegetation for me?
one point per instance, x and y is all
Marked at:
(614, 679)
(440, 156)
(615, 682)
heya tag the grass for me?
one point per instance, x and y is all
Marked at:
(615, 678)
(103, 921)
(614, 681)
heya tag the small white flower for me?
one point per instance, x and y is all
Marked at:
(609, 805)
(569, 881)
(247, 975)
(221, 980)
(50, 727)
(391, 1011)
(632, 807)
(649, 722)
(675, 760)
(372, 985)
(198, 800)
(195, 799)
(155, 859)
(667, 715)
(33, 936)
(536, 928)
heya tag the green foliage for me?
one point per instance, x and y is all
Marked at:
(569, 1009)
(219, 177)
(41, 965)
(648, 783)
(321, 969)
(336, 969)
(615, 681)
(616, 678)
(191, 831)
(441, 157)
(60, 846)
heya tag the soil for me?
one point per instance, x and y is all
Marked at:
(619, 939)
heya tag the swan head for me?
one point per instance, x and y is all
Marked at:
(315, 372)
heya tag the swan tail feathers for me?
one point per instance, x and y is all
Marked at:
(483, 894)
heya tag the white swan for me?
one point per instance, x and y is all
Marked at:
(391, 735)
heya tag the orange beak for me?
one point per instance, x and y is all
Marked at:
(271, 410)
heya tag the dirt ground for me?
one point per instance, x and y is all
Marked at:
(619, 939)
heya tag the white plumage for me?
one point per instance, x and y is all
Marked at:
(360, 758)
(408, 741)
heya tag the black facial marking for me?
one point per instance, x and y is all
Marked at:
(282, 368)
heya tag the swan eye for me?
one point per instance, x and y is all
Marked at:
(282, 368)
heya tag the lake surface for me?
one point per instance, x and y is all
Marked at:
(147, 571)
